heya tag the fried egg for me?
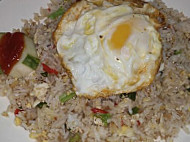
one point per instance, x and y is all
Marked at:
(110, 47)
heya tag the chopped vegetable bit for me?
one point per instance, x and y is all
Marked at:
(115, 104)
(20, 107)
(44, 74)
(176, 52)
(138, 123)
(75, 138)
(31, 62)
(49, 70)
(97, 110)
(135, 110)
(57, 13)
(49, 9)
(17, 111)
(41, 104)
(188, 89)
(104, 117)
(1, 72)
(66, 97)
(18, 121)
(131, 96)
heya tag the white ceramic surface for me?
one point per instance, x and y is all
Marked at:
(11, 13)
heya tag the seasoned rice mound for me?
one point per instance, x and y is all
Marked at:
(164, 106)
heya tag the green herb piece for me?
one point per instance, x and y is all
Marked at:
(177, 52)
(57, 13)
(188, 89)
(135, 110)
(20, 107)
(41, 104)
(31, 62)
(1, 71)
(66, 97)
(75, 138)
(131, 96)
(104, 117)
(44, 74)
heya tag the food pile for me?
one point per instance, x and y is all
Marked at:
(98, 70)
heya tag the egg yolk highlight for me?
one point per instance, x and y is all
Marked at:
(120, 36)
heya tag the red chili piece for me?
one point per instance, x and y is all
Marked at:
(49, 9)
(97, 110)
(17, 111)
(138, 123)
(54, 47)
(49, 70)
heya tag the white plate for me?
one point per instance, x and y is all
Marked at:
(11, 12)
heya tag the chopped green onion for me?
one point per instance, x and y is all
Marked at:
(75, 138)
(65, 97)
(188, 89)
(176, 52)
(1, 72)
(44, 74)
(104, 117)
(131, 96)
(57, 13)
(31, 62)
(135, 110)
(41, 104)
(20, 107)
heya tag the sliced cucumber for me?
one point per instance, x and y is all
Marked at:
(21, 69)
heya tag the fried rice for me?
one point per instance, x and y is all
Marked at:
(164, 106)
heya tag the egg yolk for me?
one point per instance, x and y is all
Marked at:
(120, 35)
